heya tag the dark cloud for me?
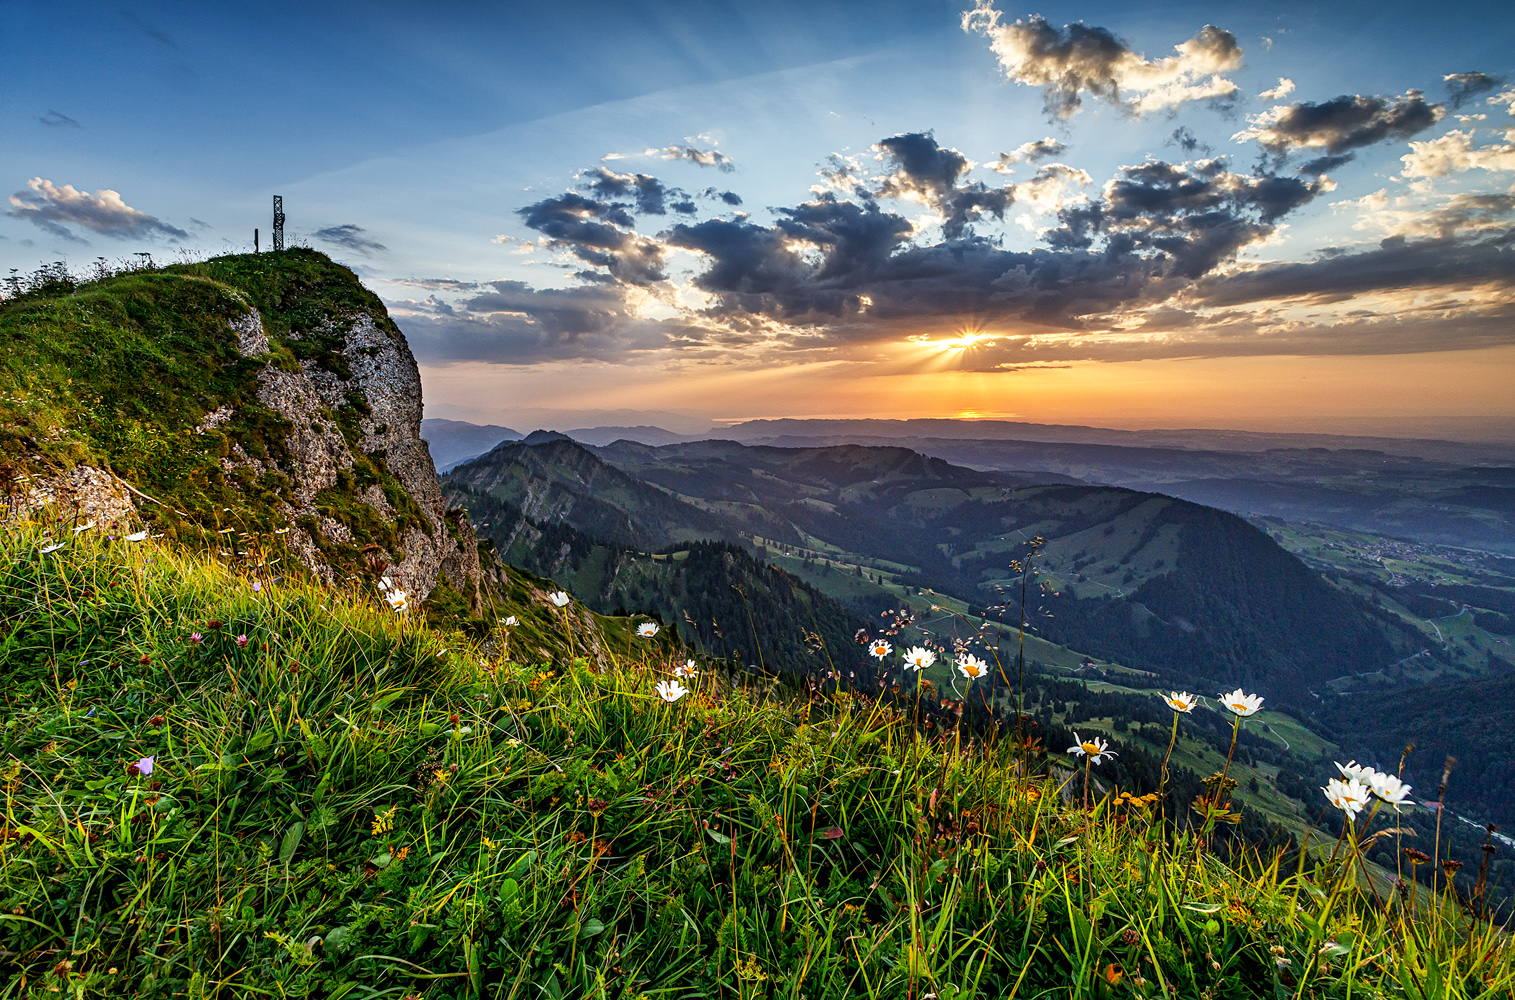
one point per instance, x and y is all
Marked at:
(54, 208)
(930, 173)
(350, 237)
(649, 196)
(1341, 125)
(728, 197)
(1325, 164)
(512, 323)
(1394, 265)
(1079, 59)
(599, 233)
(1463, 87)
(58, 119)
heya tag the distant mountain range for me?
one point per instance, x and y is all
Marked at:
(1438, 492)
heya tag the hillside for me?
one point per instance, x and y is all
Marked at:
(560, 481)
(714, 595)
(268, 397)
(213, 790)
(1190, 593)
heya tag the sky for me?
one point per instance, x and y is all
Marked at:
(1293, 217)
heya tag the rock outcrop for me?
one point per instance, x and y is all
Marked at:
(336, 422)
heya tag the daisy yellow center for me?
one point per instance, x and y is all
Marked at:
(1090, 748)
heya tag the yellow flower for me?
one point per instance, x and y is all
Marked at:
(383, 822)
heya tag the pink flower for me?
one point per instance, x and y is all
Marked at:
(144, 766)
(242, 641)
(195, 638)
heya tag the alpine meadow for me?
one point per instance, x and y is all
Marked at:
(928, 500)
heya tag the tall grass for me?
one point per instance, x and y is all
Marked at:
(356, 805)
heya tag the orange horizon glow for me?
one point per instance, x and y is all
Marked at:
(1289, 393)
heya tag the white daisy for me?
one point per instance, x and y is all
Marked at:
(687, 669)
(1181, 701)
(397, 600)
(137, 536)
(1094, 748)
(972, 667)
(51, 548)
(1241, 704)
(1390, 789)
(878, 649)
(647, 630)
(558, 598)
(671, 691)
(510, 622)
(919, 658)
(1348, 796)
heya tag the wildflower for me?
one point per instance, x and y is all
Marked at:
(83, 527)
(671, 691)
(1095, 748)
(510, 622)
(879, 649)
(1415, 856)
(144, 766)
(397, 600)
(257, 587)
(558, 598)
(1241, 704)
(972, 667)
(136, 536)
(1181, 701)
(919, 658)
(1390, 789)
(383, 822)
(242, 641)
(1354, 771)
(195, 638)
(686, 670)
(90, 714)
(1349, 796)
(647, 630)
(51, 548)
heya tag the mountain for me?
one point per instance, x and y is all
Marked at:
(641, 435)
(553, 479)
(715, 595)
(454, 441)
(263, 404)
(1196, 595)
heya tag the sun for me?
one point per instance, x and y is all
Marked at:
(961, 342)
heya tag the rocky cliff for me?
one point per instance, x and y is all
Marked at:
(265, 404)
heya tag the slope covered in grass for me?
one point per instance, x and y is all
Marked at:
(348, 804)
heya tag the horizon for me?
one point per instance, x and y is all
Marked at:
(1280, 220)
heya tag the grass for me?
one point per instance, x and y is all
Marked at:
(356, 805)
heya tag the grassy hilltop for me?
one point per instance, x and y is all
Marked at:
(212, 790)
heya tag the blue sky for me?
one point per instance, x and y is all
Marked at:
(414, 144)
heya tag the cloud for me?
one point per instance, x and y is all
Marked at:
(53, 209)
(149, 29)
(1185, 140)
(1339, 126)
(58, 119)
(1506, 98)
(702, 157)
(445, 284)
(1029, 152)
(349, 236)
(1445, 217)
(1455, 153)
(929, 173)
(649, 195)
(509, 322)
(725, 197)
(1284, 88)
(1463, 87)
(599, 233)
(1079, 59)
(1394, 265)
